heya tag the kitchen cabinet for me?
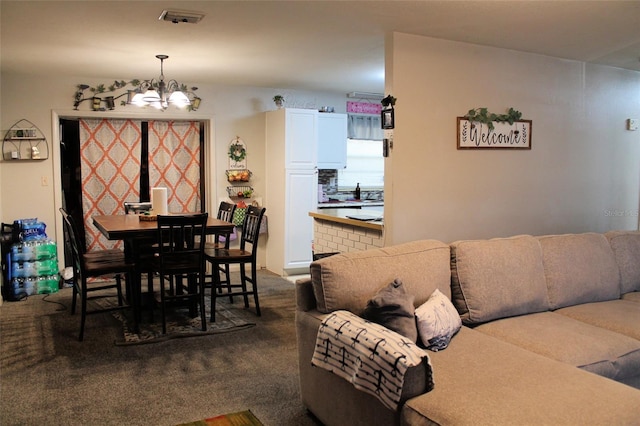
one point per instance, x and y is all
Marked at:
(332, 141)
(291, 188)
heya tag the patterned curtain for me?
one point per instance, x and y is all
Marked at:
(174, 163)
(110, 156)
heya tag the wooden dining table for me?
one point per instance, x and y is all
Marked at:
(134, 231)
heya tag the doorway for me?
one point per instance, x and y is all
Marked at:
(146, 167)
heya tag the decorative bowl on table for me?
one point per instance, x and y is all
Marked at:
(144, 217)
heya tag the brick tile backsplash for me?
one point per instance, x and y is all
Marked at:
(332, 237)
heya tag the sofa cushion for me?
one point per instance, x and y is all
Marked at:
(497, 278)
(393, 308)
(565, 339)
(580, 268)
(621, 316)
(438, 321)
(626, 248)
(348, 280)
(634, 296)
(481, 380)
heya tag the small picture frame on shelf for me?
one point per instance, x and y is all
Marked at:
(387, 118)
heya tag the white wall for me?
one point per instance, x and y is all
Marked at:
(582, 173)
(234, 111)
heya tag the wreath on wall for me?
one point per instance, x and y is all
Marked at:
(237, 152)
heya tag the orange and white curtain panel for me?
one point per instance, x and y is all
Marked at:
(110, 168)
(110, 153)
(174, 163)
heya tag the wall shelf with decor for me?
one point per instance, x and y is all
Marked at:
(240, 191)
(238, 175)
(24, 141)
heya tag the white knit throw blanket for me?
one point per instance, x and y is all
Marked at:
(371, 357)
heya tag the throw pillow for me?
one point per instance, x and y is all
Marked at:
(393, 308)
(438, 321)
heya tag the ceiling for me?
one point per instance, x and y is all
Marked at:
(315, 45)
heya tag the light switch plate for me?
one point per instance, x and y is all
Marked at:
(632, 124)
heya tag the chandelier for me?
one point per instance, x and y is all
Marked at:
(159, 94)
(156, 93)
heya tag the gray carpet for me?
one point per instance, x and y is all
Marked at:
(48, 377)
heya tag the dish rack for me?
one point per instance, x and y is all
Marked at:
(235, 191)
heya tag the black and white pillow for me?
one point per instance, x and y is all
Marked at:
(438, 321)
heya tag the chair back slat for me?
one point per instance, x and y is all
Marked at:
(225, 211)
(181, 239)
(77, 249)
(251, 227)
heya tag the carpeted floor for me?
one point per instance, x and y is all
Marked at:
(48, 377)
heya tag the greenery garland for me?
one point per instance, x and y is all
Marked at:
(237, 152)
(482, 115)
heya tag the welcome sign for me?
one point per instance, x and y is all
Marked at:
(476, 135)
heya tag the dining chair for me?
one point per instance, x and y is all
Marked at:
(181, 257)
(145, 248)
(225, 212)
(88, 266)
(242, 256)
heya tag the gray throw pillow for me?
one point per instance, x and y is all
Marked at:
(393, 308)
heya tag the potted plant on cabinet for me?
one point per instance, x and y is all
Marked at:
(279, 100)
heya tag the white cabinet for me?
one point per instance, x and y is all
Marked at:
(291, 188)
(332, 141)
(300, 137)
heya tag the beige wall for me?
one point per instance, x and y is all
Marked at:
(233, 111)
(582, 173)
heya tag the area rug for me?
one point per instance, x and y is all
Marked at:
(229, 317)
(243, 418)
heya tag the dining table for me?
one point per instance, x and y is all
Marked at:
(135, 232)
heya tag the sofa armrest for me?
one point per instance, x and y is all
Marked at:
(305, 299)
(333, 400)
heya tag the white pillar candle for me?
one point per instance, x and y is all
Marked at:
(159, 201)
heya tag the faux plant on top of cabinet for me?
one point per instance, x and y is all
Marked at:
(292, 188)
(332, 141)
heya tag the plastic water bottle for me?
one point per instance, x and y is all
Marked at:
(46, 267)
(17, 286)
(31, 285)
(48, 284)
(23, 251)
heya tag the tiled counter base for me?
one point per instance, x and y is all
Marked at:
(339, 234)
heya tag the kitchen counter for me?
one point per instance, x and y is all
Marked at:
(339, 215)
(350, 204)
(334, 232)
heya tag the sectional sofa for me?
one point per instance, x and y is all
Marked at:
(550, 331)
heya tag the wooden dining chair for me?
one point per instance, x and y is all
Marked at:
(110, 264)
(146, 248)
(180, 258)
(225, 212)
(242, 256)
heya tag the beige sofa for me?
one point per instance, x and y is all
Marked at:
(550, 335)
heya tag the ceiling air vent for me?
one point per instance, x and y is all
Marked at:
(181, 16)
